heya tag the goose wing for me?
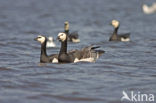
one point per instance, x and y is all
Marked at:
(53, 56)
(87, 54)
(73, 35)
(126, 35)
(91, 52)
(75, 54)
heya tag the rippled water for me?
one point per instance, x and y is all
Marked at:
(127, 66)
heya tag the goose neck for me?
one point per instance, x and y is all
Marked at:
(67, 32)
(43, 49)
(63, 47)
(116, 30)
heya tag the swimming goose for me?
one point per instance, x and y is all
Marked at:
(115, 37)
(149, 9)
(87, 54)
(50, 42)
(72, 37)
(44, 58)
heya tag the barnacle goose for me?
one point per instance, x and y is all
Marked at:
(121, 37)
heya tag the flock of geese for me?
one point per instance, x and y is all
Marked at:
(86, 54)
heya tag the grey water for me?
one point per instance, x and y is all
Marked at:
(125, 66)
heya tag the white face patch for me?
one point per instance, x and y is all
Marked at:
(55, 60)
(115, 23)
(62, 36)
(125, 39)
(41, 39)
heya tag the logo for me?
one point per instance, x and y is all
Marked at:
(137, 97)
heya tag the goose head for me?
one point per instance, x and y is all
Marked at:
(62, 36)
(66, 25)
(40, 39)
(115, 23)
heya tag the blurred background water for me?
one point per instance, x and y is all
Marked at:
(129, 66)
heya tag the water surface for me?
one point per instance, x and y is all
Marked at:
(126, 66)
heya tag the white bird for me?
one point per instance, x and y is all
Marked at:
(149, 9)
(125, 96)
(50, 43)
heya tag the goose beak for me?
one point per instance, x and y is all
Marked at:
(58, 38)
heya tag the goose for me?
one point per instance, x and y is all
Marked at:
(72, 37)
(87, 54)
(115, 37)
(44, 58)
(149, 9)
(50, 42)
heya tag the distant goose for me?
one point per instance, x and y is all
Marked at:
(72, 37)
(115, 37)
(87, 54)
(44, 58)
(50, 42)
(149, 9)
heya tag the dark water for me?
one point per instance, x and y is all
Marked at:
(127, 66)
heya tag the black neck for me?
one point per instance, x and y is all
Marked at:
(66, 31)
(43, 49)
(63, 47)
(116, 31)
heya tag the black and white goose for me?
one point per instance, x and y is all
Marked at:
(115, 37)
(44, 58)
(87, 54)
(72, 37)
